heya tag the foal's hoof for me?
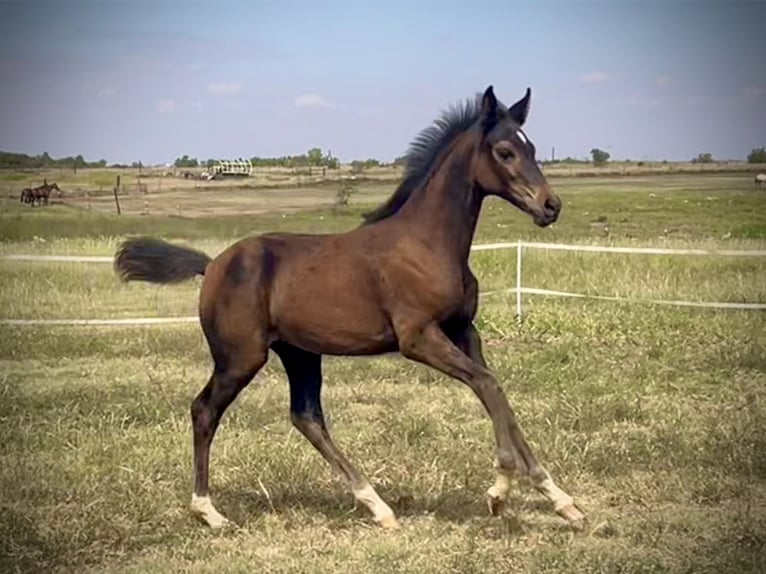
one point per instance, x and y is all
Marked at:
(389, 523)
(573, 515)
(216, 522)
(495, 504)
(203, 509)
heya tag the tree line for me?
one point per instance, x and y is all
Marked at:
(44, 160)
(314, 157)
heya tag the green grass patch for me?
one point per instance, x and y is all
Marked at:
(653, 417)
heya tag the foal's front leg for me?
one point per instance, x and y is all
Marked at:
(514, 455)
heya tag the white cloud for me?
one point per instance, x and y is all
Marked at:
(594, 78)
(224, 88)
(107, 92)
(663, 80)
(166, 106)
(311, 101)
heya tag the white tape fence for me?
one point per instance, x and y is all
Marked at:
(519, 290)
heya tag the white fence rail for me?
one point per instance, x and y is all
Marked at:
(519, 289)
(616, 249)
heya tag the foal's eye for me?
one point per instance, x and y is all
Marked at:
(504, 153)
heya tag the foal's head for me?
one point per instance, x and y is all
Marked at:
(505, 163)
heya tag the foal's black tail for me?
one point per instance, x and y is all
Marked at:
(157, 261)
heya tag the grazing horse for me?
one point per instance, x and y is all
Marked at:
(760, 179)
(27, 196)
(400, 282)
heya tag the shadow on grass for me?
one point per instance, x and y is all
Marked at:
(339, 510)
(22, 548)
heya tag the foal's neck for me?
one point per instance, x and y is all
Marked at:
(445, 211)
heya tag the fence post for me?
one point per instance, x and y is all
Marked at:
(116, 199)
(518, 281)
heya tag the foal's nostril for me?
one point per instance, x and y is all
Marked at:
(550, 206)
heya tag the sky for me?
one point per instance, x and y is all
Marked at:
(151, 81)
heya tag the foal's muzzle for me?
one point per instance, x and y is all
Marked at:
(546, 209)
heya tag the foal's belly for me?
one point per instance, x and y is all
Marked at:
(331, 313)
(334, 326)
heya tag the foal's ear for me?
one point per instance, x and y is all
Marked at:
(520, 109)
(489, 108)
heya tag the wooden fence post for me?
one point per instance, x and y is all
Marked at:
(116, 199)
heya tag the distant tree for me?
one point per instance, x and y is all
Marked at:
(314, 156)
(330, 162)
(703, 158)
(186, 161)
(757, 155)
(359, 165)
(600, 157)
(78, 162)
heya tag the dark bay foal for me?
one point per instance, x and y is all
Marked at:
(399, 282)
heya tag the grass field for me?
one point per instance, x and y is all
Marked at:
(99, 182)
(653, 418)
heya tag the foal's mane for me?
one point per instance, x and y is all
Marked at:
(424, 151)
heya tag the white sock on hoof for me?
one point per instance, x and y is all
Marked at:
(205, 509)
(367, 496)
(501, 488)
(559, 498)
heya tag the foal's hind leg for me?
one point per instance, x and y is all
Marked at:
(233, 371)
(304, 372)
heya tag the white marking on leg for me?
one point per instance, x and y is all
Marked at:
(501, 488)
(203, 507)
(553, 493)
(497, 494)
(381, 512)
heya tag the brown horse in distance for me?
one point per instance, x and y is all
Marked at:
(399, 282)
(27, 195)
(39, 195)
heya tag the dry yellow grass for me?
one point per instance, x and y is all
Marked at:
(653, 417)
